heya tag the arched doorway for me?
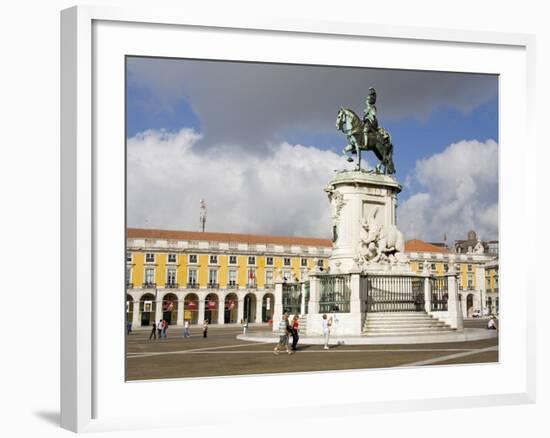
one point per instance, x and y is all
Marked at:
(170, 308)
(211, 308)
(250, 307)
(147, 309)
(230, 309)
(191, 308)
(268, 304)
(469, 305)
(129, 308)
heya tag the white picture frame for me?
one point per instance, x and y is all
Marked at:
(93, 396)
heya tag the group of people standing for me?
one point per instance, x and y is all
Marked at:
(292, 329)
(288, 329)
(161, 328)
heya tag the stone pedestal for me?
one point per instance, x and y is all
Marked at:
(358, 197)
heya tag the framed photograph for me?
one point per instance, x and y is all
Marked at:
(347, 194)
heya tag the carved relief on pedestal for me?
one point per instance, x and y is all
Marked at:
(337, 203)
(380, 243)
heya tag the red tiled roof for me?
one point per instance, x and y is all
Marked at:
(140, 233)
(421, 246)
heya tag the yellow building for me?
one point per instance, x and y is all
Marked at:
(222, 277)
(477, 274)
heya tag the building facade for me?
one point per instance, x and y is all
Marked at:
(227, 278)
(477, 274)
(221, 277)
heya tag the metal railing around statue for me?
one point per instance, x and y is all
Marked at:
(440, 293)
(392, 293)
(335, 293)
(292, 298)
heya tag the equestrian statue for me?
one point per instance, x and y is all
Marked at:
(366, 135)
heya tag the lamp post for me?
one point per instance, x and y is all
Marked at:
(202, 217)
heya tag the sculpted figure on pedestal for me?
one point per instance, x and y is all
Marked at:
(380, 244)
(337, 202)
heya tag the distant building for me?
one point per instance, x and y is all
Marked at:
(468, 246)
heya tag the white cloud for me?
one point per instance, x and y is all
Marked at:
(277, 193)
(459, 193)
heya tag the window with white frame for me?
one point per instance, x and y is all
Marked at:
(470, 281)
(286, 261)
(128, 256)
(421, 266)
(212, 277)
(320, 263)
(128, 275)
(192, 276)
(172, 258)
(269, 261)
(251, 277)
(446, 267)
(214, 259)
(469, 268)
(171, 277)
(287, 275)
(232, 277)
(269, 277)
(432, 266)
(149, 257)
(251, 260)
(303, 263)
(192, 258)
(232, 260)
(149, 276)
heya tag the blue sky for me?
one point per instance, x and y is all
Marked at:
(208, 111)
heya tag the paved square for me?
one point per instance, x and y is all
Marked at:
(221, 354)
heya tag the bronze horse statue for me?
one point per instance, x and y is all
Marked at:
(358, 140)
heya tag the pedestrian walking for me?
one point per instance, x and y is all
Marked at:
(245, 326)
(286, 329)
(153, 332)
(164, 328)
(159, 328)
(327, 323)
(205, 328)
(128, 327)
(295, 328)
(186, 329)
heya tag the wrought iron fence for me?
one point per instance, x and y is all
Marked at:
(292, 298)
(335, 293)
(440, 293)
(306, 299)
(391, 293)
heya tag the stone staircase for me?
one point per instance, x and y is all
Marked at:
(403, 324)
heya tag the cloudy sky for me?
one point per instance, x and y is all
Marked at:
(258, 142)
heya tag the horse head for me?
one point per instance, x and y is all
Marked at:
(340, 118)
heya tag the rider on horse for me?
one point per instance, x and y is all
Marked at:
(369, 114)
